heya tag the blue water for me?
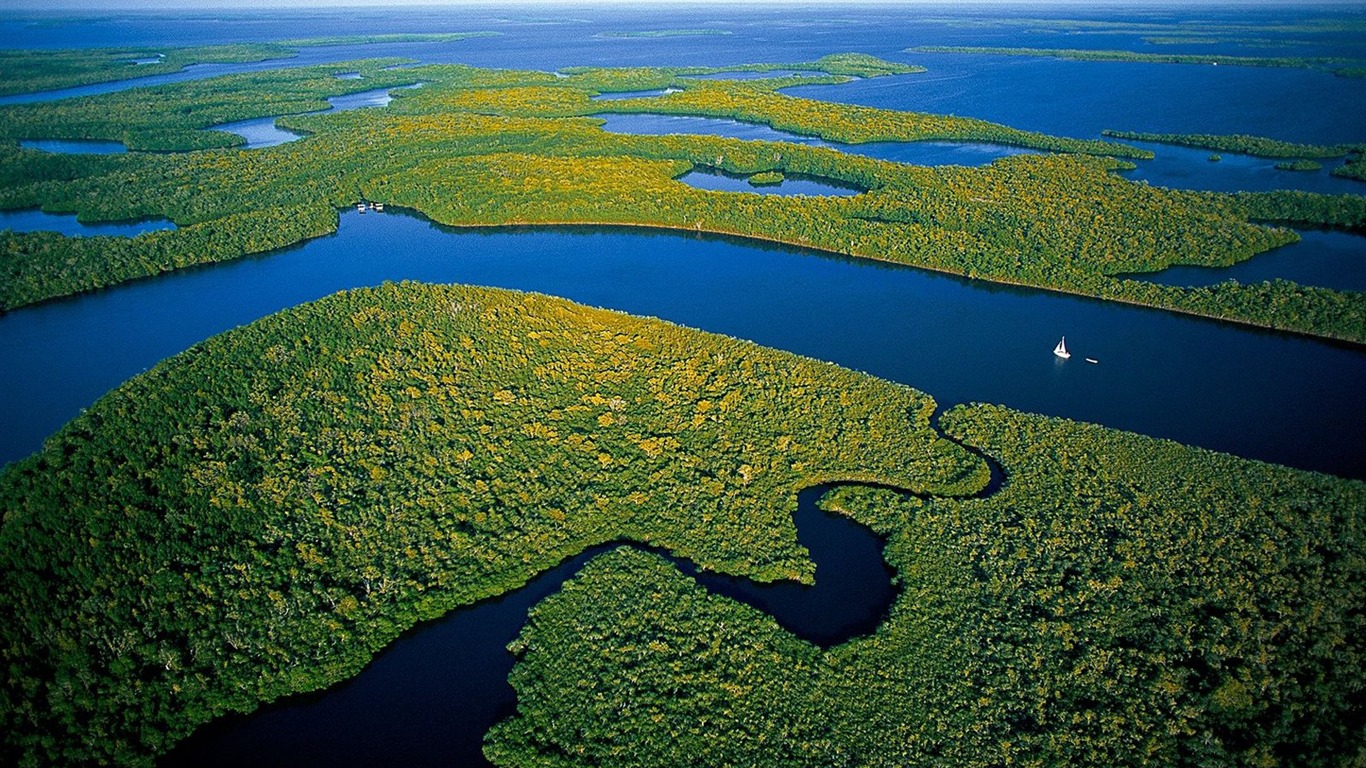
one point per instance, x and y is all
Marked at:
(915, 153)
(428, 700)
(792, 184)
(35, 220)
(1082, 98)
(262, 132)
(1197, 381)
(75, 147)
(1334, 260)
(744, 75)
(259, 132)
(1187, 168)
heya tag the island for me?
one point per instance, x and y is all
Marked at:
(478, 147)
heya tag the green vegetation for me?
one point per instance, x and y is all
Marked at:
(1300, 165)
(262, 513)
(499, 147)
(183, 110)
(1256, 146)
(653, 33)
(30, 71)
(1122, 601)
(1085, 54)
(1215, 158)
(767, 178)
(759, 102)
(1354, 168)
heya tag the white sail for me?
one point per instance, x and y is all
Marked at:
(1061, 349)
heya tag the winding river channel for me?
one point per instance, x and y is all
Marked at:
(1264, 395)
(431, 696)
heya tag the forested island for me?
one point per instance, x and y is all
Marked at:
(1298, 157)
(259, 515)
(263, 513)
(498, 147)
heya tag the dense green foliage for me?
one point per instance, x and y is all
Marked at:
(1354, 168)
(183, 110)
(260, 514)
(1257, 146)
(495, 147)
(29, 71)
(758, 102)
(767, 178)
(1087, 54)
(26, 71)
(1300, 165)
(1303, 208)
(1122, 601)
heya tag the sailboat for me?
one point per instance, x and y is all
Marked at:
(1061, 349)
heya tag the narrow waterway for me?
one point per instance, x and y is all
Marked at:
(431, 696)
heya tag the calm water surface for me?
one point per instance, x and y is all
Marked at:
(35, 220)
(420, 704)
(1325, 259)
(1257, 394)
(792, 184)
(429, 699)
(75, 147)
(261, 132)
(914, 152)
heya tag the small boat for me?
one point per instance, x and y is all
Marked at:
(1061, 349)
(1092, 360)
(360, 207)
(379, 207)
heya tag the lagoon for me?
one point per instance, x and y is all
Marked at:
(262, 132)
(35, 220)
(1324, 259)
(791, 184)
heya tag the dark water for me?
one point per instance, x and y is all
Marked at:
(792, 184)
(1325, 259)
(1263, 395)
(35, 220)
(429, 698)
(1187, 168)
